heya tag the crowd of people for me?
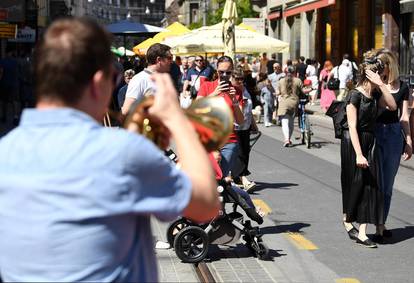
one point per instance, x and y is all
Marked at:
(86, 188)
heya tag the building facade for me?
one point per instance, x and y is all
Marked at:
(327, 29)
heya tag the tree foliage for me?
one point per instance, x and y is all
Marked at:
(244, 10)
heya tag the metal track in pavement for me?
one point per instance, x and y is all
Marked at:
(203, 272)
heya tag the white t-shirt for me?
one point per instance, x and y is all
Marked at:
(344, 73)
(140, 84)
(311, 75)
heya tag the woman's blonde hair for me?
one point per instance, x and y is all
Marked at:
(389, 59)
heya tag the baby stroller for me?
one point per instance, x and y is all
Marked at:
(191, 240)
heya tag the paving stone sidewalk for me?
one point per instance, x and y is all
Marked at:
(233, 263)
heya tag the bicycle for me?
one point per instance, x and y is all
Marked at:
(304, 123)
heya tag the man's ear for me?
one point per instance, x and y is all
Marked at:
(97, 84)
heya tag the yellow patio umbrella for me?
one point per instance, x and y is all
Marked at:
(174, 29)
(209, 39)
(228, 18)
(141, 49)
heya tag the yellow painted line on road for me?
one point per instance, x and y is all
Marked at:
(263, 206)
(347, 280)
(300, 241)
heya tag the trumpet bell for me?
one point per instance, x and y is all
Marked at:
(211, 117)
(212, 120)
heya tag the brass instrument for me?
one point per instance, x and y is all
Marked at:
(211, 117)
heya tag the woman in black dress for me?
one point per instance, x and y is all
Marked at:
(363, 202)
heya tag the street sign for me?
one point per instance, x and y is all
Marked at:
(8, 31)
(258, 24)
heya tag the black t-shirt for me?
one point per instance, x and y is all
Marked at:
(301, 70)
(386, 116)
(367, 110)
(269, 66)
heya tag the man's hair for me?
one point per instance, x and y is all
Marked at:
(71, 51)
(129, 73)
(274, 56)
(157, 50)
(346, 56)
(225, 59)
(302, 59)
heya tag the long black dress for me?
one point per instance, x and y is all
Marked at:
(362, 200)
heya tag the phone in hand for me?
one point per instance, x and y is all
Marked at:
(225, 78)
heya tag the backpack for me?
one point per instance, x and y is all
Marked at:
(337, 111)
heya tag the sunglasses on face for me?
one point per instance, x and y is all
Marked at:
(199, 60)
(226, 73)
(240, 79)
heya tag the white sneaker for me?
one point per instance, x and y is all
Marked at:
(160, 245)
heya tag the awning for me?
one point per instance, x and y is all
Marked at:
(274, 15)
(306, 6)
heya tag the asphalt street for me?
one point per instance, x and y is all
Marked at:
(304, 230)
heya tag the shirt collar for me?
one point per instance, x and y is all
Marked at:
(55, 116)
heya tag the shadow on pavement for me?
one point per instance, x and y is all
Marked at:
(400, 235)
(277, 229)
(216, 253)
(282, 186)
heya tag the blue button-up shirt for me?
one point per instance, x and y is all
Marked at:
(76, 200)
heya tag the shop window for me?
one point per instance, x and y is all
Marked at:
(328, 42)
(379, 34)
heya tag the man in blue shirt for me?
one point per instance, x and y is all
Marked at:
(76, 198)
(197, 74)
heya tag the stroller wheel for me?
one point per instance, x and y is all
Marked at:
(191, 244)
(263, 251)
(175, 228)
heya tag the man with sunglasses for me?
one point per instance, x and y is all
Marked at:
(197, 75)
(159, 60)
(76, 198)
(233, 97)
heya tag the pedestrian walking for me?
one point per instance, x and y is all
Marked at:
(327, 95)
(392, 134)
(128, 75)
(267, 93)
(343, 72)
(159, 60)
(363, 201)
(243, 132)
(233, 97)
(289, 90)
(88, 192)
(311, 74)
(301, 68)
(197, 75)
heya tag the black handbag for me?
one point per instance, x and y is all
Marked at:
(333, 83)
(193, 90)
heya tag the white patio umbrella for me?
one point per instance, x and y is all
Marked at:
(229, 17)
(209, 39)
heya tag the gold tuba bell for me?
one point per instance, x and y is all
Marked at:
(211, 117)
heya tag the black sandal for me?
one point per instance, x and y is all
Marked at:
(367, 243)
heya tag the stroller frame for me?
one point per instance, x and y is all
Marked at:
(191, 240)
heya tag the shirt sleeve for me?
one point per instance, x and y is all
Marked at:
(134, 88)
(355, 98)
(405, 92)
(156, 186)
(203, 90)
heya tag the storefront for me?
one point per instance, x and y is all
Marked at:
(295, 22)
(355, 26)
(407, 40)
